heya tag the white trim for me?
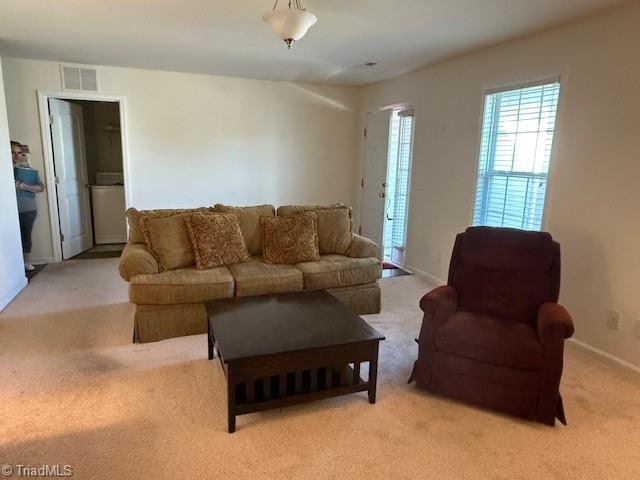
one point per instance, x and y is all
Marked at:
(586, 346)
(427, 276)
(409, 183)
(15, 290)
(606, 355)
(519, 86)
(47, 151)
(556, 145)
(562, 78)
(41, 260)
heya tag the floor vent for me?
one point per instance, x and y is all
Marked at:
(79, 78)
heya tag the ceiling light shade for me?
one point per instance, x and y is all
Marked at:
(290, 24)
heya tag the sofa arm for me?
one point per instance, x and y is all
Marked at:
(554, 323)
(439, 304)
(362, 247)
(135, 260)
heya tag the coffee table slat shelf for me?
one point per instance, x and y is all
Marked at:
(320, 358)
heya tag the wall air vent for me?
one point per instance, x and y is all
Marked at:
(79, 78)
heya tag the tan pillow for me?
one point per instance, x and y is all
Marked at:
(216, 239)
(167, 239)
(136, 234)
(249, 219)
(334, 225)
(290, 240)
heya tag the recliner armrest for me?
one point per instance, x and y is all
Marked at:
(362, 247)
(554, 323)
(439, 303)
(136, 260)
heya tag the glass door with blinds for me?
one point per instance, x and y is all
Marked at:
(515, 152)
(397, 185)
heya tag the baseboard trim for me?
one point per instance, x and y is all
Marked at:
(425, 275)
(606, 355)
(433, 279)
(42, 261)
(12, 293)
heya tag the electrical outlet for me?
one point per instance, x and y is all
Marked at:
(614, 317)
(636, 329)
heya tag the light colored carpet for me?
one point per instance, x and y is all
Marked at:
(75, 390)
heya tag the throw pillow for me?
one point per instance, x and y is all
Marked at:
(290, 240)
(334, 226)
(134, 217)
(167, 239)
(216, 239)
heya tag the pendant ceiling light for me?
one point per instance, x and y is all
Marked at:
(290, 24)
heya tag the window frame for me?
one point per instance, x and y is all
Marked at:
(407, 112)
(554, 78)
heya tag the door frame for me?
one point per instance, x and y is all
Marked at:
(47, 151)
(392, 107)
(409, 182)
(363, 169)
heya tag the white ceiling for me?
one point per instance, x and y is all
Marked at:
(228, 37)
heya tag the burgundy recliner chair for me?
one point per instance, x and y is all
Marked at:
(494, 336)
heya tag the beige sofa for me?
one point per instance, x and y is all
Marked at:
(171, 303)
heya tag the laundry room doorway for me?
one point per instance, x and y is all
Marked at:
(85, 162)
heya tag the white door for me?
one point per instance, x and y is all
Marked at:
(376, 151)
(72, 185)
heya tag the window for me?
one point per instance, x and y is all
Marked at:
(397, 187)
(515, 151)
(399, 230)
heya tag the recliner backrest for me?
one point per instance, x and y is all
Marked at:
(505, 272)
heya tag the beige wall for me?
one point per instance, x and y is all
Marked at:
(200, 139)
(593, 197)
(12, 278)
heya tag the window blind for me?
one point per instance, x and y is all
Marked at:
(399, 228)
(515, 152)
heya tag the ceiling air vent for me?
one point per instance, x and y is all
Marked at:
(79, 78)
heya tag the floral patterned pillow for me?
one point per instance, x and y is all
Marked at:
(216, 239)
(290, 240)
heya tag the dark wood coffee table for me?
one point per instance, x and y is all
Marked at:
(280, 350)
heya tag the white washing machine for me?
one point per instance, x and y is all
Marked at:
(108, 208)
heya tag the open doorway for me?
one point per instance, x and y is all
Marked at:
(84, 161)
(397, 186)
(386, 181)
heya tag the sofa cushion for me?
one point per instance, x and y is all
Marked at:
(333, 271)
(182, 286)
(334, 225)
(259, 278)
(290, 240)
(216, 239)
(249, 219)
(167, 239)
(491, 340)
(134, 217)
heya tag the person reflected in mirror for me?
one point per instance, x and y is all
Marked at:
(28, 184)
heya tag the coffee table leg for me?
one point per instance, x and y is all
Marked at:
(231, 400)
(373, 374)
(211, 344)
